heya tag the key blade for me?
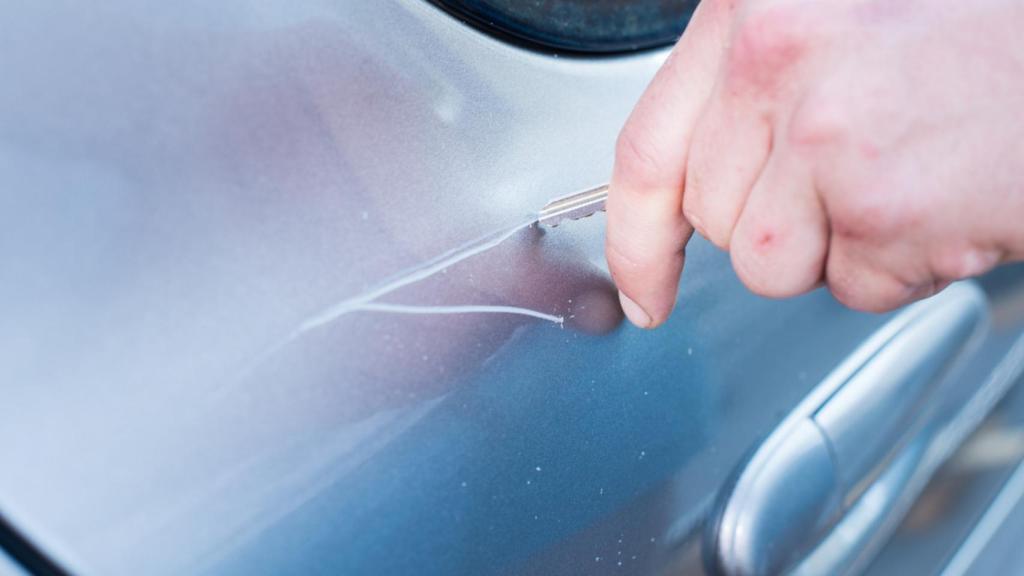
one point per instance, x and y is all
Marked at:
(574, 206)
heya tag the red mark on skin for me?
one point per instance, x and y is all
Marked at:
(766, 45)
(765, 240)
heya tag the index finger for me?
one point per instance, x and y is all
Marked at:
(646, 229)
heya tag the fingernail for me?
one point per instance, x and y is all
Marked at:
(634, 312)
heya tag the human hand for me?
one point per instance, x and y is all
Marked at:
(875, 146)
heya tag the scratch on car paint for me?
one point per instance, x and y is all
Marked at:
(367, 301)
(422, 272)
(468, 309)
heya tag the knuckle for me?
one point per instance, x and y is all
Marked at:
(871, 212)
(843, 287)
(694, 213)
(820, 120)
(703, 210)
(767, 41)
(752, 271)
(849, 297)
(774, 262)
(866, 291)
(636, 159)
(693, 201)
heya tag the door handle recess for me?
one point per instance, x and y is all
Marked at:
(810, 492)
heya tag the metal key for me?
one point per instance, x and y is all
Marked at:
(574, 206)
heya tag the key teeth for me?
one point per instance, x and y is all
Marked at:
(574, 207)
(553, 222)
(584, 216)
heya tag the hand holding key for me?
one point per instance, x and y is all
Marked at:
(873, 146)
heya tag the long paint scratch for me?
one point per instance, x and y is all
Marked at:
(366, 300)
(469, 309)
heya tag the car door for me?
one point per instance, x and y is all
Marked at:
(275, 304)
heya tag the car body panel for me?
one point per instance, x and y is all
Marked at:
(948, 521)
(997, 549)
(187, 193)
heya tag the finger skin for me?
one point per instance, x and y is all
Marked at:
(730, 147)
(774, 47)
(872, 145)
(780, 242)
(733, 137)
(865, 286)
(647, 232)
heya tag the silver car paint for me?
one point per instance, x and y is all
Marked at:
(183, 185)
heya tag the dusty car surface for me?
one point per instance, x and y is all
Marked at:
(273, 304)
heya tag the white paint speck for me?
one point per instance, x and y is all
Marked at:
(537, 468)
(464, 484)
(689, 351)
(597, 558)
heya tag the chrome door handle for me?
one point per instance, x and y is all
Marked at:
(834, 464)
